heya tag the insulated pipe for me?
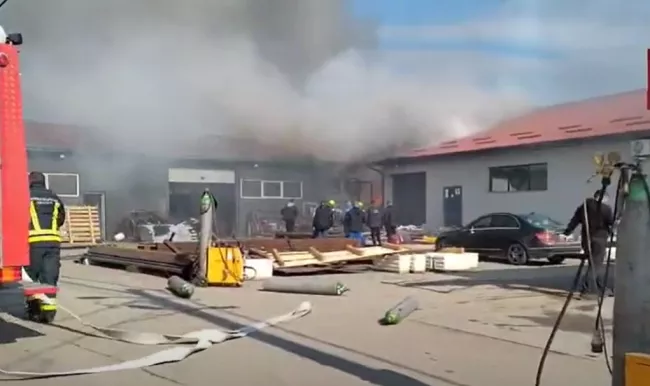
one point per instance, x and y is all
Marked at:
(400, 311)
(304, 287)
(180, 287)
(632, 281)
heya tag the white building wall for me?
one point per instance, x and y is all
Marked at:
(569, 168)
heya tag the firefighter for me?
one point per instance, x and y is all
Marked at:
(374, 222)
(289, 215)
(594, 238)
(323, 218)
(348, 206)
(47, 215)
(388, 222)
(353, 221)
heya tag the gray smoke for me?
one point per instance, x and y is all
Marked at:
(285, 72)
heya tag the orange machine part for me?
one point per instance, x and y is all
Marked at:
(14, 189)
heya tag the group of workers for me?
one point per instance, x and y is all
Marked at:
(355, 220)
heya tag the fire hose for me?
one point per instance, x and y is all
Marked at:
(191, 342)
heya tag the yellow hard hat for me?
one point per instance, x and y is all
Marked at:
(331, 202)
(360, 204)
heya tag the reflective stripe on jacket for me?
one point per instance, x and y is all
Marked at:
(45, 214)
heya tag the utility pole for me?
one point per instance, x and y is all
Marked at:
(632, 299)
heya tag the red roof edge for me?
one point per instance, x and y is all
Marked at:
(596, 117)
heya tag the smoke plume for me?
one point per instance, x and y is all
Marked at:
(157, 70)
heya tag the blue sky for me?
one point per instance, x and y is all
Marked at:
(415, 13)
(556, 50)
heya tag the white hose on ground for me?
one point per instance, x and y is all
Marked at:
(200, 340)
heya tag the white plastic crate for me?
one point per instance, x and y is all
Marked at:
(452, 261)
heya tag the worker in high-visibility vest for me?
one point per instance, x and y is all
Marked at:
(47, 215)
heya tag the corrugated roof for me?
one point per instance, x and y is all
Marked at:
(608, 115)
(58, 137)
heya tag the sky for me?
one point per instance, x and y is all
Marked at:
(554, 50)
(442, 69)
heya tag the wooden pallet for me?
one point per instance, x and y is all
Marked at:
(314, 257)
(81, 226)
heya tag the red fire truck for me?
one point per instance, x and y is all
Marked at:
(14, 190)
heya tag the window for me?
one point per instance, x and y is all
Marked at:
(251, 189)
(63, 184)
(519, 178)
(292, 189)
(504, 221)
(481, 222)
(271, 189)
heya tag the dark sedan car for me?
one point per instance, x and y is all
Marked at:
(517, 237)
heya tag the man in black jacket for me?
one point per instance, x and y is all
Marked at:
(353, 221)
(596, 221)
(388, 221)
(323, 219)
(289, 215)
(47, 215)
(374, 222)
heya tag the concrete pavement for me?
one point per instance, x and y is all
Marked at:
(464, 334)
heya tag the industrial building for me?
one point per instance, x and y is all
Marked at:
(539, 162)
(247, 178)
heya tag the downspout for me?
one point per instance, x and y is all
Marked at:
(383, 182)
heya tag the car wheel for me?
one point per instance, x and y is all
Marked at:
(556, 260)
(517, 254)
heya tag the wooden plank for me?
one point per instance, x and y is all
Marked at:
(317, 254)
(277, 257)
(354, 250)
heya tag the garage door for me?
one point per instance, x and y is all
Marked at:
(410, 198)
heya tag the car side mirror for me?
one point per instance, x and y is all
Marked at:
(471, 229)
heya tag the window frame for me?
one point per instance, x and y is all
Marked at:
(76, 175)
(472, 225)
(280, 183)
(502, 169)
(263, 196)
(511, 217)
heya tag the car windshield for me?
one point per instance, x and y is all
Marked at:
(542, 221)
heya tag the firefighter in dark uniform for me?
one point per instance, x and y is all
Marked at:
(47, 215)
(595, 229)
(289, 215)
(374, 222)
(323, 219)
(389, 222)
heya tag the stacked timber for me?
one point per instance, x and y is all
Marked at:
(315, 257)
(82, 226)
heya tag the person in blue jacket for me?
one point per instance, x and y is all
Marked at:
(354, 221)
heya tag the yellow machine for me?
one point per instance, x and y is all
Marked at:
(225, 265)
(637, 369)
